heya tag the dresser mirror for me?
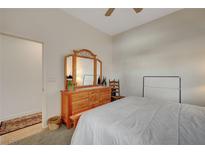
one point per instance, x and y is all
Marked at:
(84, 67)
(69, 67)
(99, 69)
(84, 71)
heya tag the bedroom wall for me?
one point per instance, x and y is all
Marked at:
(0, 79)
(60, 34)
(172, 45)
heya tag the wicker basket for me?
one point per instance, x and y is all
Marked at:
(54, 123)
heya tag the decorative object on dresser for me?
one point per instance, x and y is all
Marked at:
(84, 67)
(104, 81)
(115, 90)
(70, 85)
(99, 81)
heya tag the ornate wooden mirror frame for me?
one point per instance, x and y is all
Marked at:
(83, 53)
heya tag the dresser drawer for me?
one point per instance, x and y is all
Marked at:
(82, 100)
(104, 95)
(96, 104)
(92, 92)
(105, 100)
(78, 110)
(79, 96)
(105, 92)
(81, 105)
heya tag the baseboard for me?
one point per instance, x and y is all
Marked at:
(44, 125)
(19, 114)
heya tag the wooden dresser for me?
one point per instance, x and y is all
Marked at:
(75, 102)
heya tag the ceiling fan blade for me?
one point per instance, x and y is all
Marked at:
(137, 10)
(109, 12)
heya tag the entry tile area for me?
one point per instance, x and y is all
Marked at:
(20, 134)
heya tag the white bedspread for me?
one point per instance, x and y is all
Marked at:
(136, 120)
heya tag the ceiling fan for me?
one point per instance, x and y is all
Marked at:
(110, 11)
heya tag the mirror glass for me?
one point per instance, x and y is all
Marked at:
(98, 69)
(84, 71)
(69, 66)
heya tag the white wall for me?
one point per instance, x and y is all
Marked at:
(172, 45)
(1, 80)
(61, 34)
(22, 77)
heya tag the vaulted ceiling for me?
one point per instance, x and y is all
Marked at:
(122, 19)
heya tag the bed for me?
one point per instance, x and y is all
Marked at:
(143, 120)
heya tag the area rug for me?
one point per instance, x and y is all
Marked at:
(19, 123)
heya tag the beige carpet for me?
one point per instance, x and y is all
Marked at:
(61, 136)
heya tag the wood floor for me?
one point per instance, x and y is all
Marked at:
(20, 134)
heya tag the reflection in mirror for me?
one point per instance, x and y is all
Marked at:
(98, 69)
(69, 66)
(85, 74)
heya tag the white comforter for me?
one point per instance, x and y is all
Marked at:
(136, 120)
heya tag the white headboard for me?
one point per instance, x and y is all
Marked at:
(162, 87)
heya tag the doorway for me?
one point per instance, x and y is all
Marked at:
(21, 83)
